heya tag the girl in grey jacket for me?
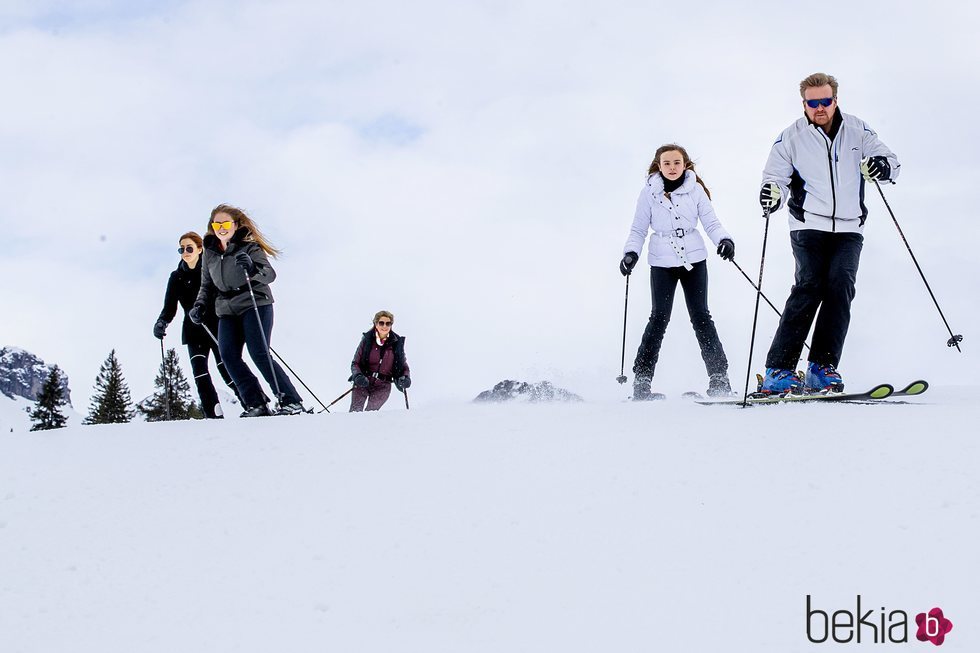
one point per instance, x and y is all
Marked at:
(234, 253)
(672, 202)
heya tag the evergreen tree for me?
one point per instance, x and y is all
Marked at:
(111, 403)
(46, 413)
(172, 389)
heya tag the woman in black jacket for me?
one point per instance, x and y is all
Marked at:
(236, 256)
(182, 288)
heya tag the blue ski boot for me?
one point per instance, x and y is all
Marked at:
(780, 381)
(823, 377)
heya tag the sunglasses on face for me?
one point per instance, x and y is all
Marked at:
(226, 225)
(383, 323)
(189, 249)
(822, 102)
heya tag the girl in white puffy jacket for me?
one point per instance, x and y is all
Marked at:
(671, 203)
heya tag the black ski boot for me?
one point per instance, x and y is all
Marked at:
(291, 409)
(261, 410)
(719, 386)
(641, 390)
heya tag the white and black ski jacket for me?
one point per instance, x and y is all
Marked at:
(820, 174)
(672, 223)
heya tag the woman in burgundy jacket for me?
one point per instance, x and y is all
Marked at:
(378, 361)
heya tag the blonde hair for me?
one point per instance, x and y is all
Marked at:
(688, 164)
(254, 236)
(817, 80)
(381, 314)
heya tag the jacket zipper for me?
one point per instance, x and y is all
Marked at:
(833, 188)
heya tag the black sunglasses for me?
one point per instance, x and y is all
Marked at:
(189, 249)
(383, 323)
(822, 102)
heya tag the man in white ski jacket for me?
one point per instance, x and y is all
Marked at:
(821, 164)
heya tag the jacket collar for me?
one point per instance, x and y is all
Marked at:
(212, 242)
(656, 183)
(834, 124)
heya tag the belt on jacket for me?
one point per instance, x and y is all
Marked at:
(381, 377)
(680, 232)
(235, 292)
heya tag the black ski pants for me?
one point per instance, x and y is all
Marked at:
(826, 271)
(199, 352)
(238, 331)
(663, 283)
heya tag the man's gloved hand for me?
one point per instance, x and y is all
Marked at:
(628, 262)
(726, 249)
(876, 168)
(159, 329)
(245, 262)
(770, 196)
(196, 313)
(361, 381)
(403, 382)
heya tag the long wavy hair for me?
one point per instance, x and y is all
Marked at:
(688, 164)
(254, 236)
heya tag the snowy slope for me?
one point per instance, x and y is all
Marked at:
(587, 527)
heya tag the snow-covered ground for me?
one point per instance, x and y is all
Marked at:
(600, 526)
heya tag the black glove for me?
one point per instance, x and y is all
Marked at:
(159, 329)
(770, 197)
(245, 262)
(628, 262)
(726, 249)
(403, 382)
(361, 381)
(876, 168)
(196, 313)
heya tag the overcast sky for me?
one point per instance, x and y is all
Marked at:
(472, 167)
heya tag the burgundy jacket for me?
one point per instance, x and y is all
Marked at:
(387, 360)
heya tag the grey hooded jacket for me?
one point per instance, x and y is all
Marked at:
(223, 280)
(821, 175)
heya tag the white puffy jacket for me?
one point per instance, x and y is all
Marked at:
(675, 240)
(820, 177)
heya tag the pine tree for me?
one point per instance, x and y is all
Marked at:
(173, 389)
(111, 403)
(46, 413)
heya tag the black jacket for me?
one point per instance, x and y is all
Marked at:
(223, 282)
(395, 342)
(183, 288)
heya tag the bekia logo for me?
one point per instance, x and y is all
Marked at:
(933, 626)
(870, 626)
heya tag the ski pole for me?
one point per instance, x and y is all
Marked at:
(954, 340)
(166, 380)
(758, 295)
(405, 392)
(283, 361)
(205, 327)
(751, 283)
(265, 341)
(622, 362)
(350, 390)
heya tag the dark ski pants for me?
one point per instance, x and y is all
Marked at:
(376, 394)
(826, 270)
(238, 331)
(663, 283)
(199, 352)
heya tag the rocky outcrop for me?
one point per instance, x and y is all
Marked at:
(22, 374)
(526, 392)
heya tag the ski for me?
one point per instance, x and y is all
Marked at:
(880, 391)
(913, 389)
